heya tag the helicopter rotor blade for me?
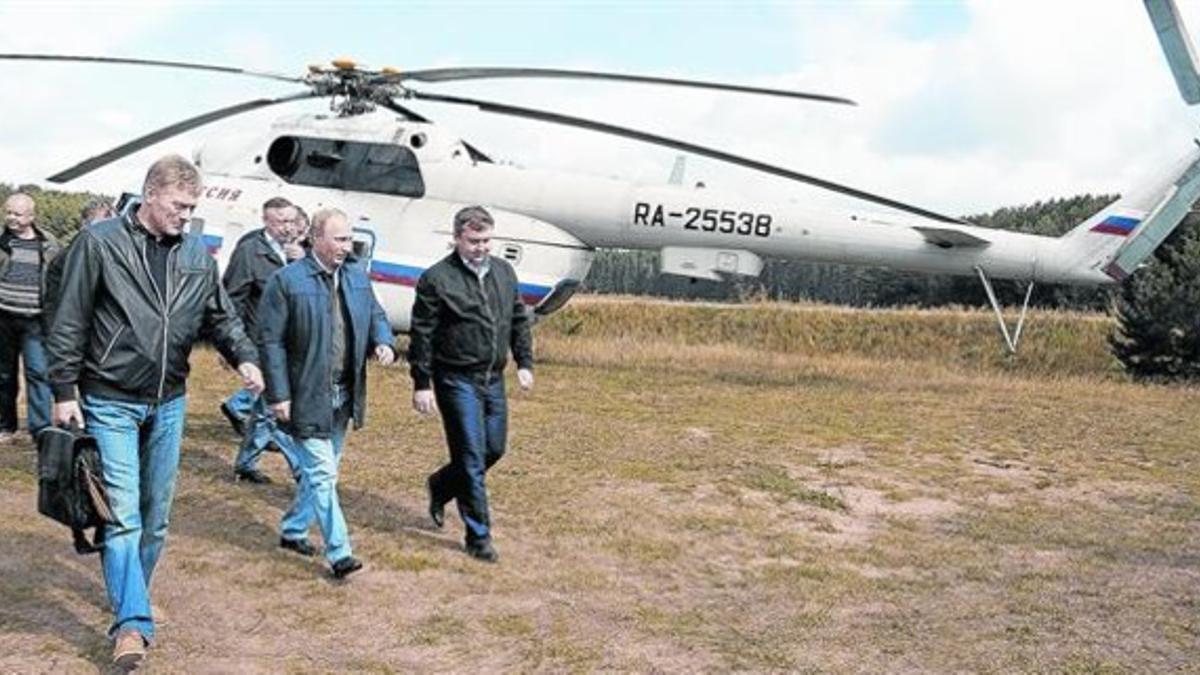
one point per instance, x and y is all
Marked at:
(556, 118)
(93, 163)
(455, 74)
(151, 62)
(408, 113)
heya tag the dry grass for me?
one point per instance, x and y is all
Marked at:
(681, 496)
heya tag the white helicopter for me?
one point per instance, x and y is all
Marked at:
(401, 178)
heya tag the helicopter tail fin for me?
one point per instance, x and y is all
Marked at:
(1118, 238)
(1125, 233)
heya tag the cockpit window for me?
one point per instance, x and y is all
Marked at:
(382, 168)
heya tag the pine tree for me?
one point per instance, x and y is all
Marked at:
(1158, 312)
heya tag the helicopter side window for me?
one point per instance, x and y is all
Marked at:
(511, 253)
(381, 168)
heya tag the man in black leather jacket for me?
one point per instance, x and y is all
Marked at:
(137, 294)
(467, 315)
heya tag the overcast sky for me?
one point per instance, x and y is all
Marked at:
(963, 106)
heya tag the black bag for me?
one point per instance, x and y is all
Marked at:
(70, 485)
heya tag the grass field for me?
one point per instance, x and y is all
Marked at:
(696, 488)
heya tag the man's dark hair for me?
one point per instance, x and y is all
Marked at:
(96, 208)
(475, 217)
(276, 203)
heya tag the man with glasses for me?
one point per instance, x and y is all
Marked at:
(256, 257)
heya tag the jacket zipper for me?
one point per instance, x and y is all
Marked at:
(487, 308)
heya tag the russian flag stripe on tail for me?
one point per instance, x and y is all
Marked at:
(1118, 225)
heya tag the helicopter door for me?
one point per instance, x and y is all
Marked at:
(364, 246)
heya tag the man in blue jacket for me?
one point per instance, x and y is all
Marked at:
(318, 322)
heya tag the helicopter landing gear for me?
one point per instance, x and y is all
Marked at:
(1010, 339)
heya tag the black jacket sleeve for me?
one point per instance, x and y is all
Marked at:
(239, 279)
(51, 287)
(66, 343)
(424, 322)
(521, 336)
(223, 326)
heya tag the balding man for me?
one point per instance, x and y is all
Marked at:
(25, 253)
(137, 293)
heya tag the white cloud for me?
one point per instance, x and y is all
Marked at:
(1030, 100)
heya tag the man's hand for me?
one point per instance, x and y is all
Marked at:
(282, 410)
(252, 378)
(424, 402)
(525, 379)
(66, 412)
(384, 355)
(293, 251)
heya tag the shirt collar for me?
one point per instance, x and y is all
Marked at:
(275, 246)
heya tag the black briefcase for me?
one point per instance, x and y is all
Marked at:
(71, 486)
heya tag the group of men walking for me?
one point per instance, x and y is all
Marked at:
(296, 318)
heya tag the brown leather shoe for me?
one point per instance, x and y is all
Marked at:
(129, 649)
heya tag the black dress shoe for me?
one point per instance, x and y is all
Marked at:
(483, 550)
(238, 423)
(301, 546)
(437, 510)
(346, 566)
(251, 476)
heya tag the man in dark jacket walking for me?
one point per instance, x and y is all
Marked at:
(25, 253)
(137, 293)
(466, 317)
(256, 257)
(318, 322)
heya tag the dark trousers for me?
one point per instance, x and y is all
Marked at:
(21, 338)
(475, 418)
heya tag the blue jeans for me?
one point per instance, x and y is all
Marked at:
(317, 495)
(139, 456)
(262, 428)
(475, 418)
(21, 339)
(242, 402)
